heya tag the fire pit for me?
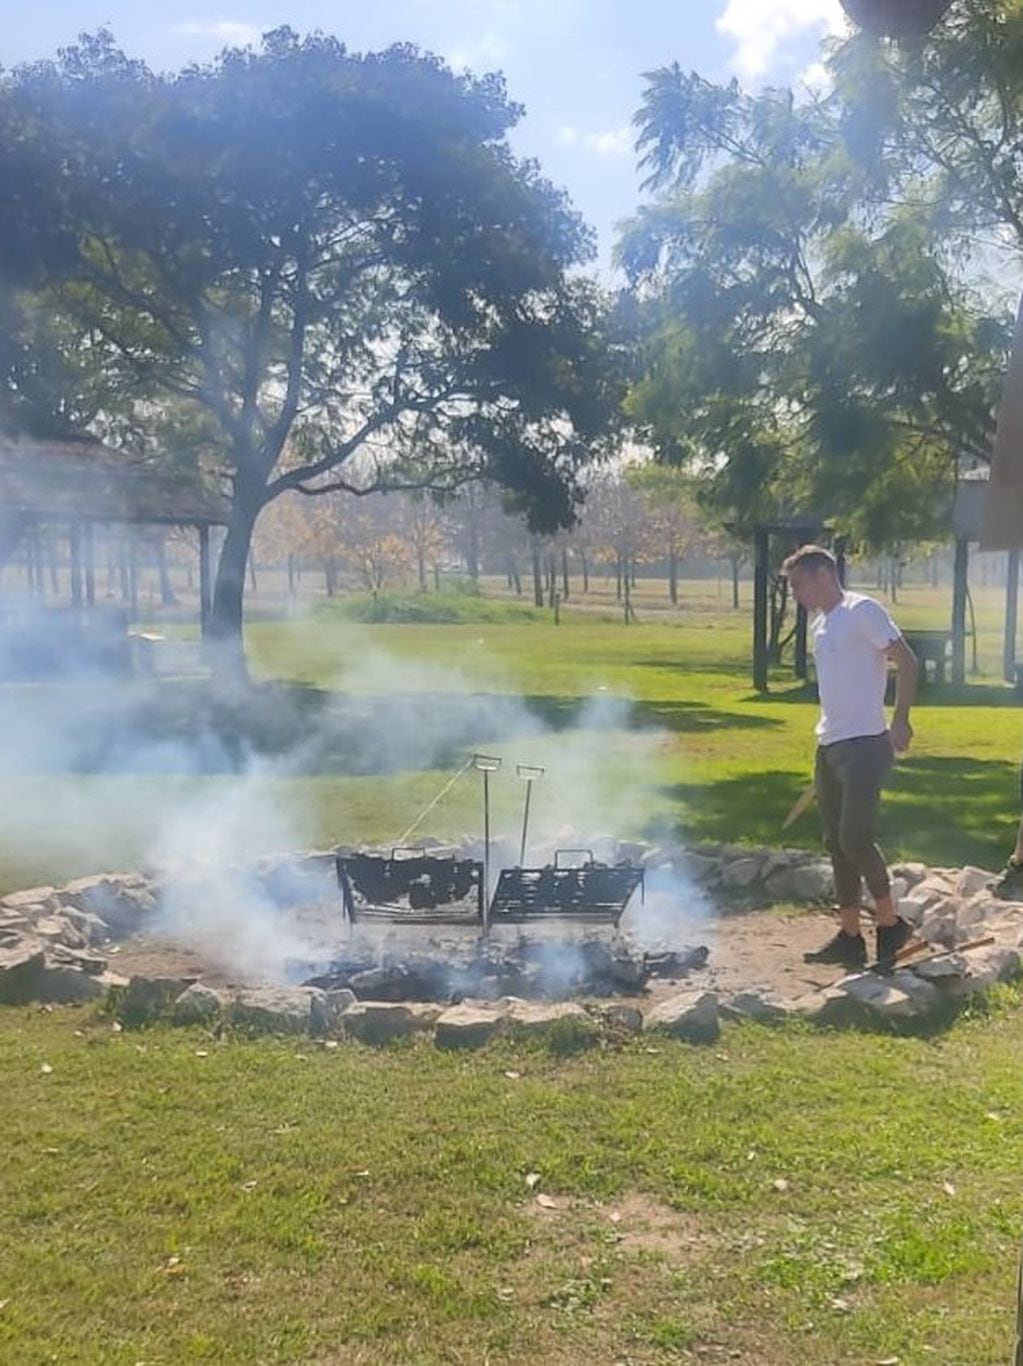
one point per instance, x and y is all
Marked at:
(411, 888)
(591, 892)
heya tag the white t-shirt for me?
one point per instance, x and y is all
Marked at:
(849, 644)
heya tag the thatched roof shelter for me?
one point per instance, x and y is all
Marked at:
(81, 480)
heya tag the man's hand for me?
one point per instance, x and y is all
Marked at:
(900, 733)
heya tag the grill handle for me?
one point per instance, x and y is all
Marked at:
(559, 852)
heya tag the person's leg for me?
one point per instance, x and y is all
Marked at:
(864, 768)
(1010, 885)
(847, 948)
(831, 798)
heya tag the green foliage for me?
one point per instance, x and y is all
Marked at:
(331, 268)
(806, 347)
(447, 607)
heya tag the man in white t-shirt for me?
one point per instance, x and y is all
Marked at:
(854, 639)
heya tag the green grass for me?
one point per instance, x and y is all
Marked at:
(694, 754)
(448, 607)
(169, 1198)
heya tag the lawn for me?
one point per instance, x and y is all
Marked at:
(648, 730)
(785, 1197)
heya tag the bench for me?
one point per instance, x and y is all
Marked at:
(931, 648)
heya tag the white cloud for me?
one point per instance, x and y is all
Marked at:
(483, 55)
(761, 29)
(224, 30)
(616, 142)
(814, 80)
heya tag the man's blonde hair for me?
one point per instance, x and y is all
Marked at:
(812, 557)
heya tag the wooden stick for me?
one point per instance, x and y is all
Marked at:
(911, 950)
(802, 803)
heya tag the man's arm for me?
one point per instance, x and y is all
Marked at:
(907, 671)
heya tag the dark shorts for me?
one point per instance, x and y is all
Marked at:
(849, 776)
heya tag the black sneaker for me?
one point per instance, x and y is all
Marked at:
(891, 938)
(845, 950)
(1010, 885)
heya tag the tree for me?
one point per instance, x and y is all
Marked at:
(806, 346)
(332, 254)
(669, 496)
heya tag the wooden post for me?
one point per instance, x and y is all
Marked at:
(1011, 607)
(800, 646)
(133, 574)
(75, 551)
(959, 581)
(760, 575)
(840, 558)
(89, 561)
(205, 581)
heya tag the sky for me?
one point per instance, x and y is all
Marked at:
(576, 65)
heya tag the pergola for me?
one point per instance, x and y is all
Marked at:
(965, 521)
(81, 483)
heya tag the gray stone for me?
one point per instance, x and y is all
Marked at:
(753, 1005)
(378, 1022)
(691, 1015)
(539, 1017)
(278, 1010)
(120, 900)
(972, 880)
(624, 1019)
(942, 971)
(911, 911)
(466, 1026)
(913, 873)
(809, 882)
(198, 1005)
(924, 995)
(32, 900)
(699, 867)
(986, 967)
(782, 858)
(338, 1000)
(81, 959)
(59, 984)
(939, 924)
(741, 874)
(900, 996)
(21, 966)
(146, 999)
(58, 929)
(94, 930)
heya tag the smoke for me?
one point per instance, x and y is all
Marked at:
(200, 788)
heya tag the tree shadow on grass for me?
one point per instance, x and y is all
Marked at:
(934, 695)
(293, 729)
(942, 811)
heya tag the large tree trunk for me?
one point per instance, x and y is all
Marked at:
(168, 598)
(537, 575)
(673, 578)
(13, 526)
(225, 642)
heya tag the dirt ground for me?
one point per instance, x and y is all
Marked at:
(749, 950)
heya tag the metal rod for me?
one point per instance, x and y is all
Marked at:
(525, 823)
(486, 848)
